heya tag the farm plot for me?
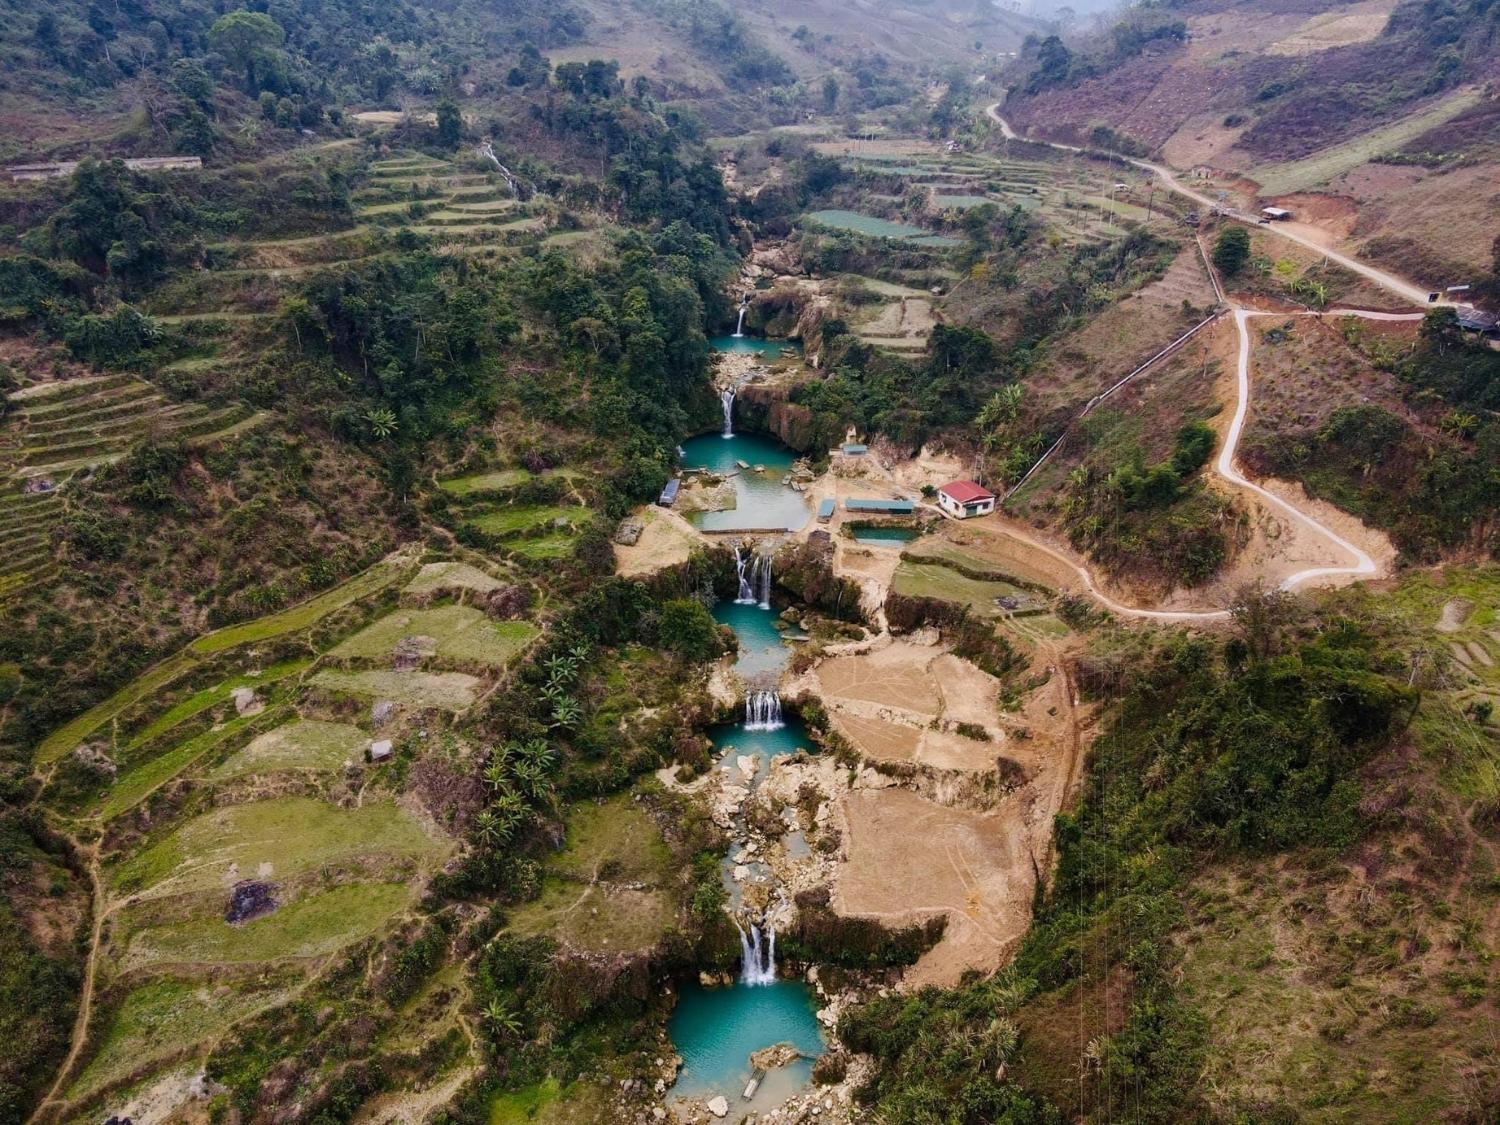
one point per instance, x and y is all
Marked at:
(440, 577)
(452, 633)
(608, 891)
(443, 691)
(304, 744)
(310, 927)
(278, 839)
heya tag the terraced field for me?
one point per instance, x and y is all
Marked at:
(1076, 198)
(62, 428)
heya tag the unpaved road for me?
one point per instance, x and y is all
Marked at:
(1361, 564)
(1401, 287)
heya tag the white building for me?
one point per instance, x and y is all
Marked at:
(963, 498)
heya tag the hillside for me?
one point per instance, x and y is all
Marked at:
(1373, 121)
(485, 632)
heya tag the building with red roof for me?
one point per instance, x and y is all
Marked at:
(963, 498)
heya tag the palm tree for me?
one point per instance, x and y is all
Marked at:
(502, 1022)
(490, 827)
(382, 422)
(566, 712)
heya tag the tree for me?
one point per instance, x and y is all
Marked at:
(830, 94)
(687, 629)
(450, 124)
(244, 38)
(1232, 250)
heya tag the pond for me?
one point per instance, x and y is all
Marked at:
(884, 536)
(755, 345)
(716, 1029)
(763, 654)
(762, 502)
(734, 739)
(877, 227)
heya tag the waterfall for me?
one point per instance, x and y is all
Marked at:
(746, 596)
(757, 961)
(726, 399)
(739, 326)
(763, 711)
(754, 573)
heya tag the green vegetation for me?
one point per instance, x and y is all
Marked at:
(1432, 484)
(305, 744)
(310, 927)
(1232, 250)
(453, 633)
(1249, 748)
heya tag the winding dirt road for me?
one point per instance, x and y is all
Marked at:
(1361, 564)
(1401, 287)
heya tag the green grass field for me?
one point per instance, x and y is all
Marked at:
(931, 580)
(163, 1018)
(452, 633)
(304, 744)
(283, 838)
(446, 691)
(211, 697)
(310, 927)
(132, 788)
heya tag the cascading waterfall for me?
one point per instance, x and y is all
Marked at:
(763, 711)
(754, 573)
(726, 400)
(746, 596)
(757, 960)
(739, 326)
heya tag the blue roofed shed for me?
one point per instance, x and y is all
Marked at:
(853, 447)
(825, 511)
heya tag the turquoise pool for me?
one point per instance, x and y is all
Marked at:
(756, 345)
(715, 1029)
(762, 502)
(884, 536)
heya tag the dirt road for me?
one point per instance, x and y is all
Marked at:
(1400, 286)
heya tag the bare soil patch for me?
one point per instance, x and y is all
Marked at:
(908, 858)
(1358, 23)
(666, 540)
